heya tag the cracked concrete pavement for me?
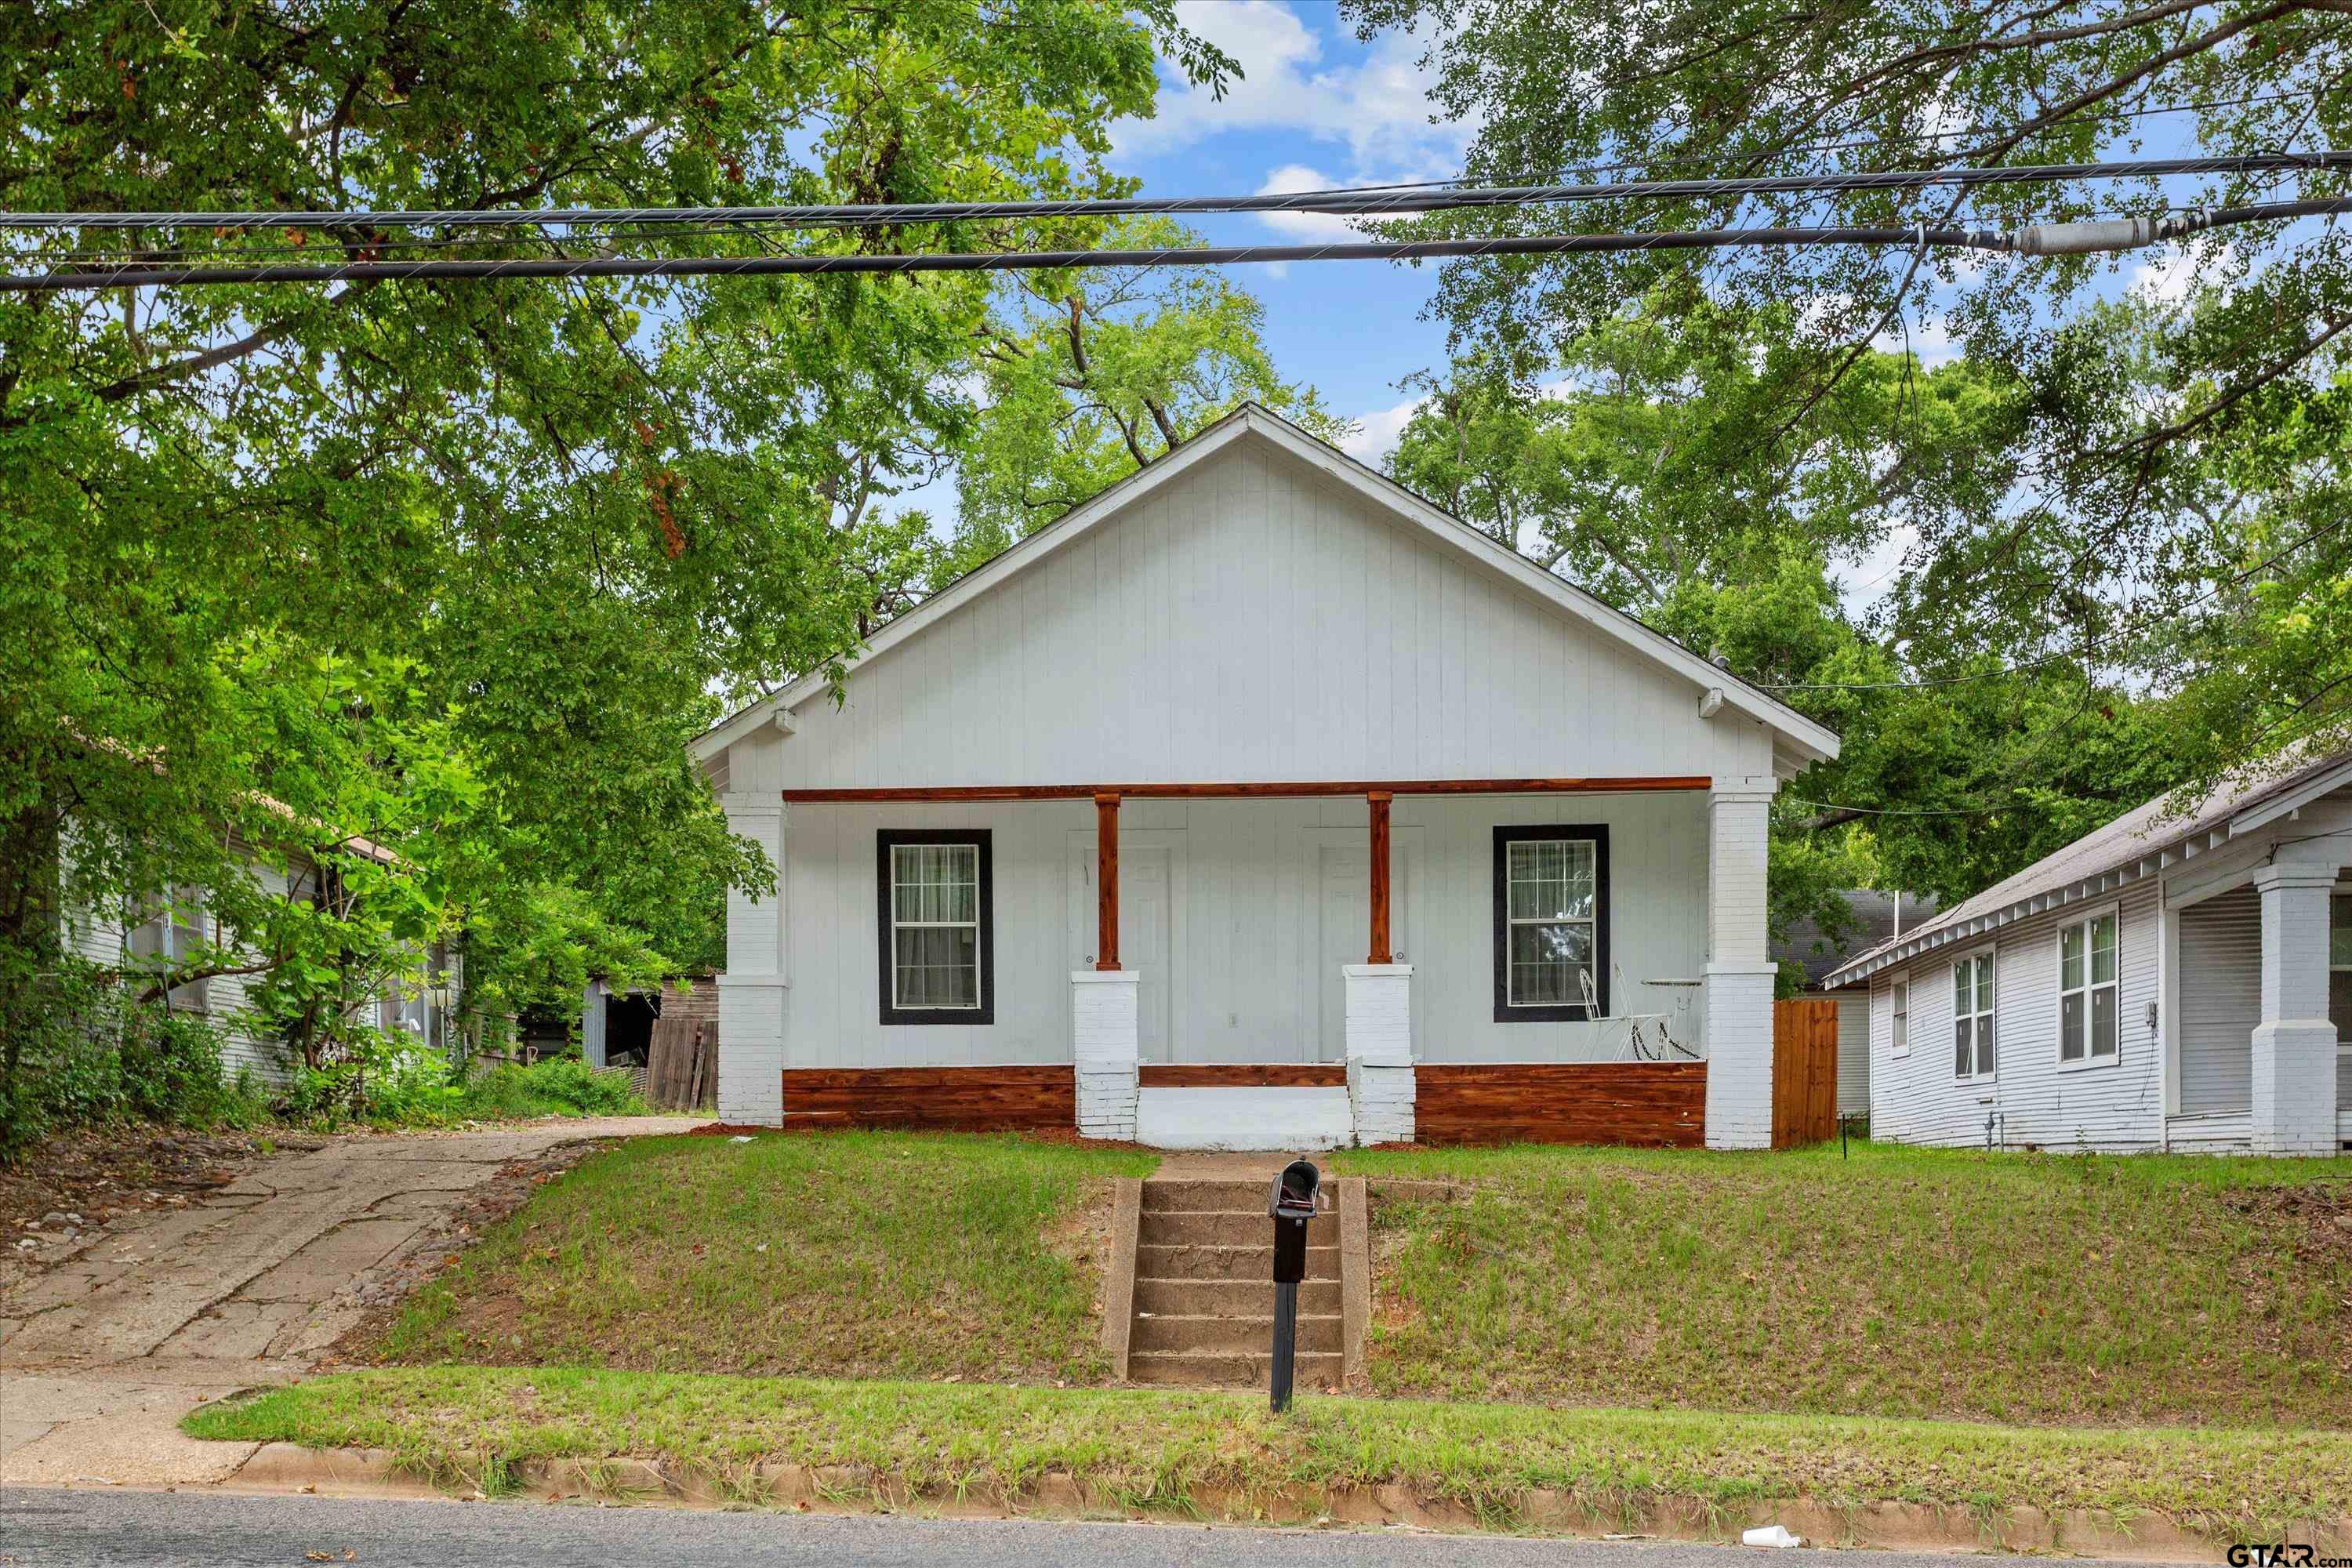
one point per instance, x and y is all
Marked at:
(127, 1329)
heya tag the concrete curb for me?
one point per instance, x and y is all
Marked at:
(286, 1468)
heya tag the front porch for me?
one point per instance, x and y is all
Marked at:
(1212, 927)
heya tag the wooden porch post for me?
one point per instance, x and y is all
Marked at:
(1378, 800)
(1106, 881)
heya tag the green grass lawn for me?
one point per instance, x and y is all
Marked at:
(850, 1254)
(1167, 1450)
(1903, 1282)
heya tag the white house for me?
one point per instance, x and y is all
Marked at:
(2176, 980)
(1257, 801)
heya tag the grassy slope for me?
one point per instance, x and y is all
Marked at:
(1904, 1282)
(851, 1254)
(1159, 1450)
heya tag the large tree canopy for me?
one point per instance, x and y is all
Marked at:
(2158, 432)
(459, 565)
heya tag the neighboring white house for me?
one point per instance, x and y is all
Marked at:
(2176, 980)
(149, 936)
(1255, 801)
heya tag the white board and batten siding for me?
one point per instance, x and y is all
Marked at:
(1251, 621)
(2110, 1105)
(1251, 906)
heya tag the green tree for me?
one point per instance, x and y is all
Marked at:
(554, 523)
(1085, 377)
(2141, 412)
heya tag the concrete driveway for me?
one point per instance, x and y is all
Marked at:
(126, 1330)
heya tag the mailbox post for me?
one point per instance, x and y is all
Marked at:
(1291, 1205)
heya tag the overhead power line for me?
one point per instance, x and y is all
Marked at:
(1356, 201)
(2039, 239)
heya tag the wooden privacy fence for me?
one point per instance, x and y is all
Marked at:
(1805, 1072)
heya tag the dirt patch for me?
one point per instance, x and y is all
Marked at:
(2313, 1218)
(73, 1183)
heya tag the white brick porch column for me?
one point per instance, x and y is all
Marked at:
(1380, 1050)
(1737, 1005)
(2294, 1044)
(1103, 1034)
(751, 993)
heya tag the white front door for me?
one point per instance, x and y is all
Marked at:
(1144, 880)
(1344, 916)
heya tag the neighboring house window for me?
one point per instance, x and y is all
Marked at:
(2087, 1000)
(168, 939)
(1899, 992)
(1551, 924)
(1972, 1017)
(936, 927)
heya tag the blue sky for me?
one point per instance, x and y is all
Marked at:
(1315, 109)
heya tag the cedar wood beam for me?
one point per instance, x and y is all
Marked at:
(1107, 882)
(954, 793)
(1378, 800)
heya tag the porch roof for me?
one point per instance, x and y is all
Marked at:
(2136, 845)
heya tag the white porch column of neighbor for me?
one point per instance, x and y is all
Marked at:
(752, 992)
(1103, 1030)
(2294, 1044)
(1738, 993)
(1380, 1050)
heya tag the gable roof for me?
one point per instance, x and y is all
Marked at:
(1875, 924)
(2140, 843)
(1808, 740)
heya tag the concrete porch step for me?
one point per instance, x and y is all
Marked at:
(1207, 1261)
(1191, 1368)
(1245, 1118)
(1230, 1335)
(1163, 1196)
(1236, 1297)
(1228, 1228)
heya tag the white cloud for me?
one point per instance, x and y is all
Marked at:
(1377, 432)
(1873, 574)
(2166, 280)
(1294, 179)
(1378, 108)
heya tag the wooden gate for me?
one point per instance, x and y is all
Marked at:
(1805, 1072)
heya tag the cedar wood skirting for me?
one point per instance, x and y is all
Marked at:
(959, 1100)
(1650, 1104)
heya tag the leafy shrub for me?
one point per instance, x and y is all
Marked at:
(96, 1057)
(560, 1086)
(376, 1076)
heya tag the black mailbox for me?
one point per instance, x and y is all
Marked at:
(1292, 1207)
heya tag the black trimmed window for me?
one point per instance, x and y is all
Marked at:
(1551, 924)
(938, 925)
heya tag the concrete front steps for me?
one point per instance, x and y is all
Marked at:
(1200, 1299)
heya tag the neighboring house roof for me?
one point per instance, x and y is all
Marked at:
(1808, 740)
(1807, 946)
(2136, 845)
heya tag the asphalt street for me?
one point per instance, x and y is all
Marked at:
(53, 1529)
